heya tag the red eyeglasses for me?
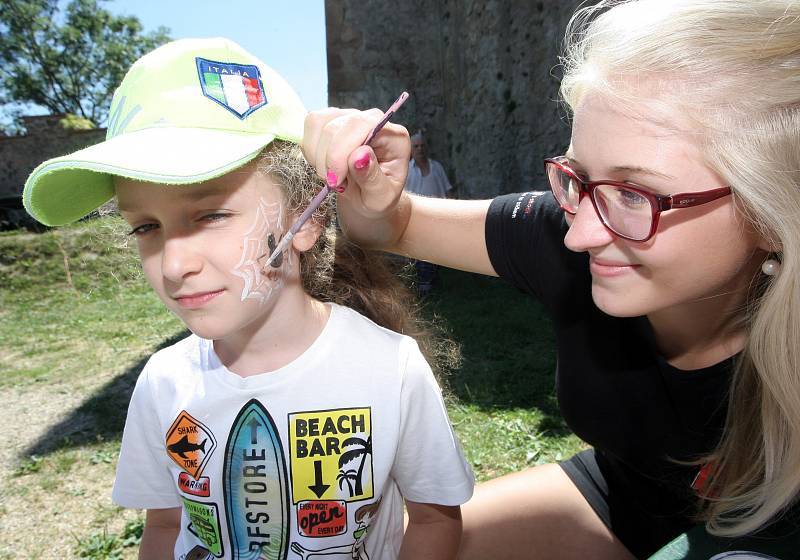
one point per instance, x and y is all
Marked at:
(624, 209)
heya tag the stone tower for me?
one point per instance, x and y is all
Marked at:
(482, 75)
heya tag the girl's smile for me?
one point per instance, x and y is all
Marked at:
(197, 300)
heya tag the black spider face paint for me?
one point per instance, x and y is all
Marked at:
(276, 263)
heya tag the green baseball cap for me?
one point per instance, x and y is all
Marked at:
(187, 112)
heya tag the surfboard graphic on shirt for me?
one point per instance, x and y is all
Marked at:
(256, 487)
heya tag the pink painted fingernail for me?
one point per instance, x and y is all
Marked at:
(362, 162)
(331, 179)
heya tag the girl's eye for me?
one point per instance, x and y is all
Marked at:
(214, 217)
(142, 229)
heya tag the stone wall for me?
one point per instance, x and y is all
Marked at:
(480, 74)
(45, 138)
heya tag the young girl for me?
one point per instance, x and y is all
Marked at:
(667, 254)
(287, 424)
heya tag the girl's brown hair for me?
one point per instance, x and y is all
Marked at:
(336, 270)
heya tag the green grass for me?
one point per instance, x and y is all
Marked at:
(72, 294)
(110, 546)
(78, 322)
(503, 403)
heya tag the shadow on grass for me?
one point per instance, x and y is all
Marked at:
(507, 344)
(101, 417)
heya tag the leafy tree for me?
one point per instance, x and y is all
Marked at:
(71, 62)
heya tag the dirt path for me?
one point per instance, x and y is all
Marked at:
(42, 514)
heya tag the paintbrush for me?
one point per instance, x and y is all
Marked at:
(326, 190)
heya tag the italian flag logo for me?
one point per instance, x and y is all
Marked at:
(237, 87)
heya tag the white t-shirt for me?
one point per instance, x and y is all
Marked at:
(434, 184)
(296, 460)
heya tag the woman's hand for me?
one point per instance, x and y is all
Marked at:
(374, 211)
(373, 176)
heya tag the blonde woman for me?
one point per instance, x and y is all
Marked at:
(667, 255)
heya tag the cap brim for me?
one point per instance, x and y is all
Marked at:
(65, 189)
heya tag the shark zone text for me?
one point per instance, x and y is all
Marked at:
(190, 444)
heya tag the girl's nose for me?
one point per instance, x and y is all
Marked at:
(586, 231)
(180, 259)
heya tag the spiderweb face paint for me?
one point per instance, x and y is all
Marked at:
(259, 239)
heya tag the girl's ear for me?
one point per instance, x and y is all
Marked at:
(305, 238)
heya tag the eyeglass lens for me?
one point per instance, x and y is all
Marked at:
(623, 211)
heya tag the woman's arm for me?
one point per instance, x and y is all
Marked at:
(447, 232)
(161, 528)
(433, 532)
(374, 211)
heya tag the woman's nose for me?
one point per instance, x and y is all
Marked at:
(586, 231)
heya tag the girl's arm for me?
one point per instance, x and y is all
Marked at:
(161, 528)
(433, 532)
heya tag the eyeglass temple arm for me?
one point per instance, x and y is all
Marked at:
(685, 200)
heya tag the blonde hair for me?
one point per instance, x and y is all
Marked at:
(731, 68)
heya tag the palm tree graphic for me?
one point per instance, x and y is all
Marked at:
(346, 476)
(364, 449)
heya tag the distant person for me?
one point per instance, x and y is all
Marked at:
(288, 425)
(426, 177)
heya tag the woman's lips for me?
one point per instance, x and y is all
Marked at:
(193, 301)
(599, 267)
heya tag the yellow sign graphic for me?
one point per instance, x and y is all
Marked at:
(331, 455)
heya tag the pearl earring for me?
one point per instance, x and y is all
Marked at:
(771, 267)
